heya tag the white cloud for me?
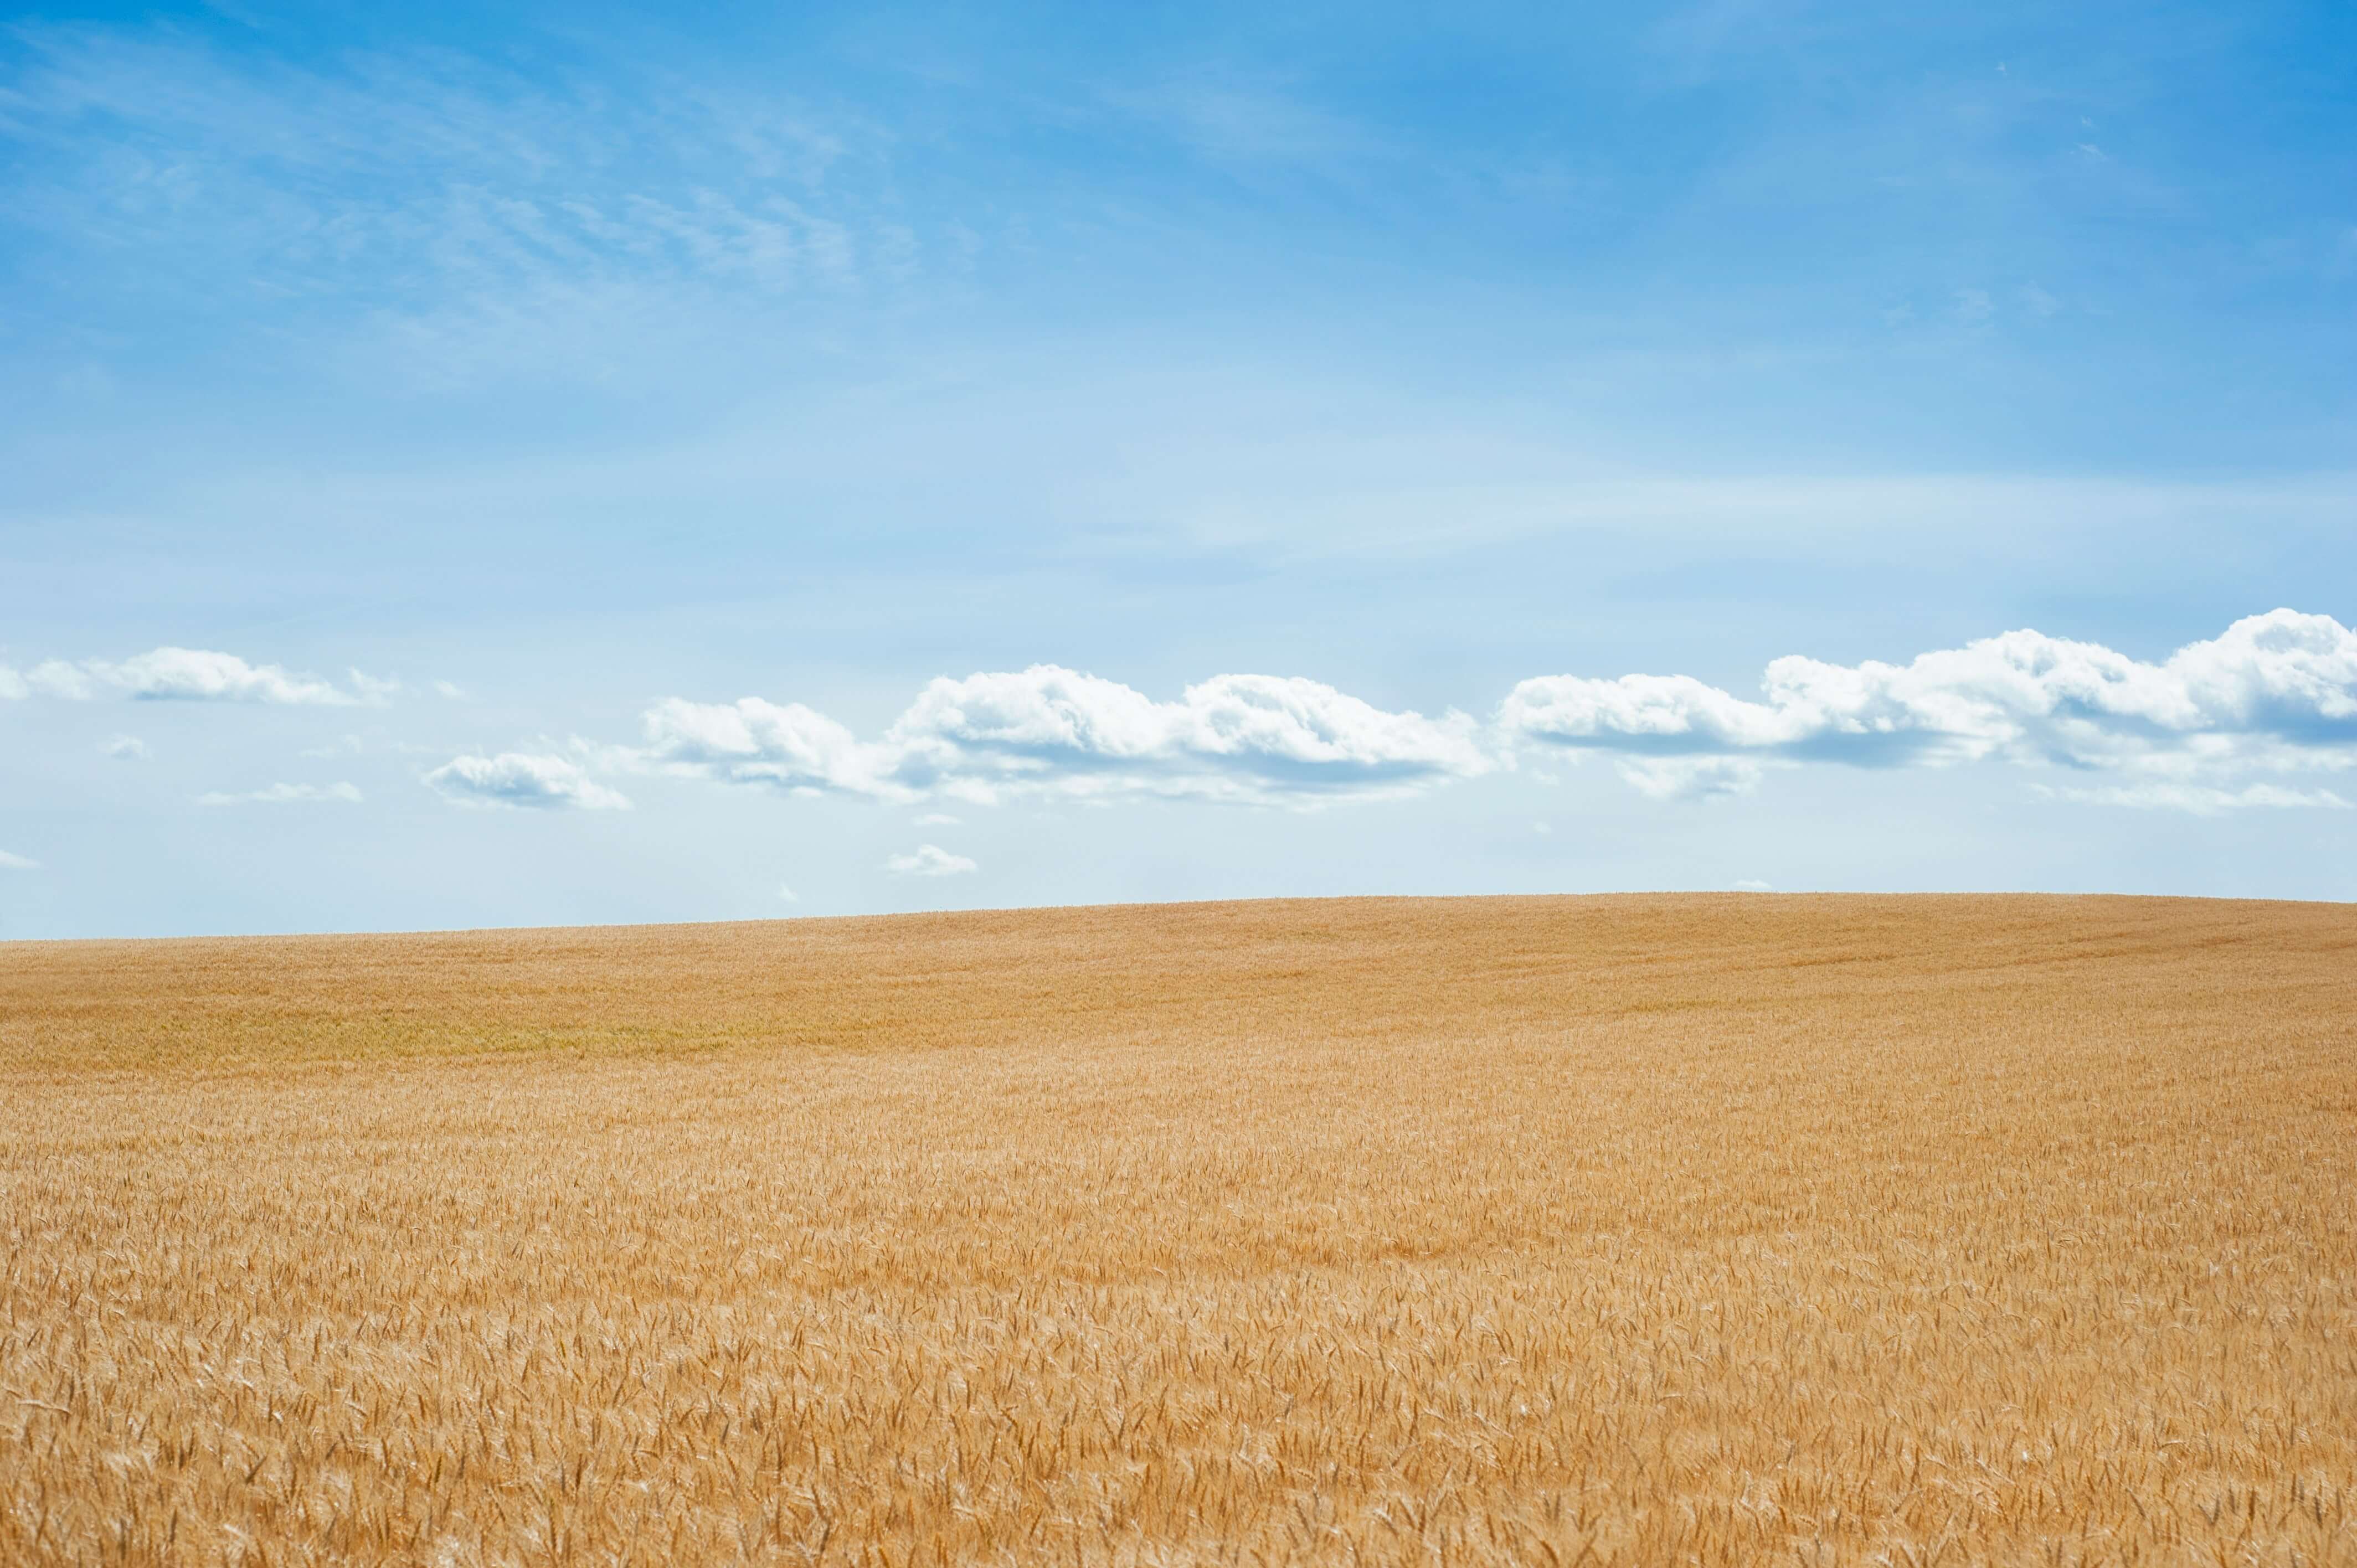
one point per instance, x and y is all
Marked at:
(1690, 778)
(787, 895)
(129, 747)
(929, 860)
(1242, 737)
(17, 862)
(371, 689)
(190, 674)
(284, 794)
(2273, 691)
(1049, 730)
(939, 819)
(518, 778)
(1752, 884)
(755, 741)
(13, 687)
(451, 690)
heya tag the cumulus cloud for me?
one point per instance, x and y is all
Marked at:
(1049, 730)
(128, 747)
(929, 860)
(518, 779)
(17, 862)
(1690, 778)
(2211, 728)
(1237, 736)
(190, 675)
(284, 794)
(2274, 690)
(755, 741)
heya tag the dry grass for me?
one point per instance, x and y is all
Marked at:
(1535, 1231)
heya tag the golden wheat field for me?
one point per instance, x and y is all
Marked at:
(1539, 1230)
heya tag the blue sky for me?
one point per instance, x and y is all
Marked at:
(594, 466)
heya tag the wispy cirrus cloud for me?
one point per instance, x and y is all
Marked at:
(2201, 800)
(1234, 118)
(469, 215)
(17, 862)
(284, 795)
(190, 675)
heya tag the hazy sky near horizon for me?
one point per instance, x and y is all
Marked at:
(595, 464)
